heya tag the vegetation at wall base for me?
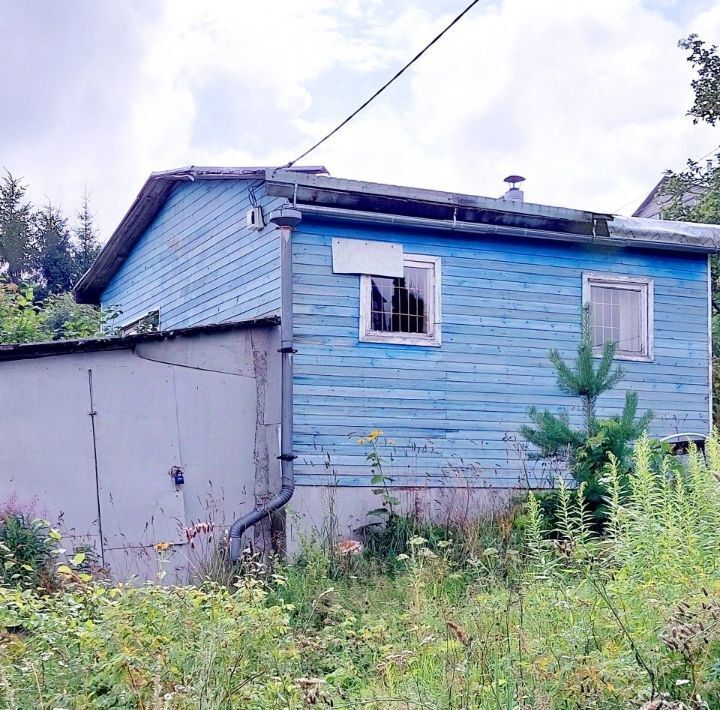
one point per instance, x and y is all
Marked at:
(508, 615)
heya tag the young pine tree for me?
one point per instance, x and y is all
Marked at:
(588, 449)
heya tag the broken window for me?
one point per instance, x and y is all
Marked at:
(149, 323)
(403, 309)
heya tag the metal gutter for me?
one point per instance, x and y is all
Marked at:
(285, 219)
(630, 233)
(444, 225)
(645, 231)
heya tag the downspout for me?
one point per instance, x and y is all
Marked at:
(286, 219)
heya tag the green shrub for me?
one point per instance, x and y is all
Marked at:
(26, 319)
(149, 647)
(27, 546)
(62, 318)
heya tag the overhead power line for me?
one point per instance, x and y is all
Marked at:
(384, 86)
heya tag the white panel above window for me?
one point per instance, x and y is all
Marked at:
(358, 256)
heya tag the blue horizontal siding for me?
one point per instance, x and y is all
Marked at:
(197, 261)
(453, 412)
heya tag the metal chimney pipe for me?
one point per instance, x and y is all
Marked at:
(514, 193)
(286, 219)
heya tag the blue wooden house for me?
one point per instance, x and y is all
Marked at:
(427, 315)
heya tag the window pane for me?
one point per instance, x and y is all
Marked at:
(399, 305)
(630, 321)
(380, 303)
(617, 317)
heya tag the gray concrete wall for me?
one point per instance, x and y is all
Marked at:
(92, 436)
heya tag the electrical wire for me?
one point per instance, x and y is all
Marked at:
(252, 192)
(396, 76)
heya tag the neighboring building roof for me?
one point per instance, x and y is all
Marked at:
(26, 351)
(656, 200)
(652, 204)
(311, 188)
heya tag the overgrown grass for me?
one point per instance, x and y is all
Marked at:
(461, 618)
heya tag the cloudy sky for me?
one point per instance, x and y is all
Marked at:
(585, 98)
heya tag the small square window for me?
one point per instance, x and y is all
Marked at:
(621, 310)
(149, 323)
(403, 310)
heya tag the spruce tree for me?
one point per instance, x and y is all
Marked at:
(15, 227)
(587, 450)
(52, 254)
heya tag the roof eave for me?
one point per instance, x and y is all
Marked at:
(143, 210)
(312, 186)
(281, 182)
(470, 213)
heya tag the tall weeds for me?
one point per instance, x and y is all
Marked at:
(569, 619)
(668, 522)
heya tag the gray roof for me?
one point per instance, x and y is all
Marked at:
(646, 232)
(647, 204)
(312, 188)
(310, 185)
(25, 351)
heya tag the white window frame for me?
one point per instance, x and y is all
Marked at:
(130, 328)
(642, 284)
(433, 305)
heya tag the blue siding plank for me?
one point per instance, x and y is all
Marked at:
(198, 262)
(505, 303)
(219, 263)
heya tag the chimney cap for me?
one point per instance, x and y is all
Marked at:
(514, 179)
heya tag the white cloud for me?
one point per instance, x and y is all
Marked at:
(587, 100)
